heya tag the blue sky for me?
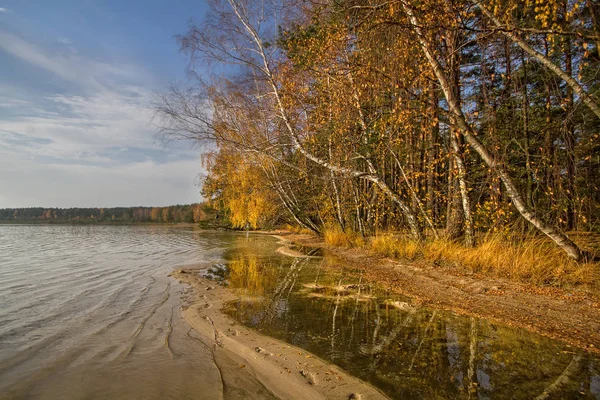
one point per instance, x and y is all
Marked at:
(77, 80)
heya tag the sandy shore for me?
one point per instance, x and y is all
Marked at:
(254, 366)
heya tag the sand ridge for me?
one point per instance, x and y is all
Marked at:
(253, 365)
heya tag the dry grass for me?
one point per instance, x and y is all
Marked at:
(395, 247)
(334, 236)
(532, 260)
(297, 229)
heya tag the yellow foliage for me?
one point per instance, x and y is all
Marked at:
(166, 214)
(155, 214)
(237, 185)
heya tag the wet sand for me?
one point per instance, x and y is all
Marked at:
(254, 366)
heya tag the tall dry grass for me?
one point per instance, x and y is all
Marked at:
(525, 259)
(334, 236)
(532, 260)
(297, 229)
(395, 246)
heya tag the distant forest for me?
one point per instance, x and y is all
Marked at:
(171, 214)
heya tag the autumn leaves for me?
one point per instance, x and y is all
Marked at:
(393, 115)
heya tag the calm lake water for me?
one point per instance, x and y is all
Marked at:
(89, 312)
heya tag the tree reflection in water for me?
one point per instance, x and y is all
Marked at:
(405, 350)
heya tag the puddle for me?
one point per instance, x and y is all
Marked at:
(405, 350)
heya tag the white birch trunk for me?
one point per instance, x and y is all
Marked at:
(470, 135)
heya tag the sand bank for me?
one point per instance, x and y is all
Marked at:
(257, 366)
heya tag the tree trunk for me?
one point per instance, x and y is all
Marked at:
(336, 193)
(525, 111)
(464, 192)
(594, 8)
(569, 130)
(545, 61)
(457, 144)
(470, 135)
(434, 132)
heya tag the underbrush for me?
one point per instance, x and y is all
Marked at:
(336, 237)
(525, 259)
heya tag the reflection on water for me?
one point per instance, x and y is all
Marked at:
(88, 312)
(405, 350)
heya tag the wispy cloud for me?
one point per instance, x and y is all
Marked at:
(92, 145)
(88, 74)
(4, 10)
(86, 129)
(109, 111)
(9, 102)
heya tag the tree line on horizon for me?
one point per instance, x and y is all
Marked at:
(448, 118)
(172, 214)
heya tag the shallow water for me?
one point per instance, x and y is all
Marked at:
(405, 350)
(89, 312)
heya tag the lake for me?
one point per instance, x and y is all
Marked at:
(90, 312)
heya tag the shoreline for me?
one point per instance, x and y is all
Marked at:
(96, 223)
(570, 316)
(245, 357)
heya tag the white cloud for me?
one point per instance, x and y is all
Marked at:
(145, 183)
(87, 74)
(9, 102)
(96, 148)
(78, 124)
(3, 10)
(75, 158)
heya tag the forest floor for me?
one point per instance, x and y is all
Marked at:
(571, 315)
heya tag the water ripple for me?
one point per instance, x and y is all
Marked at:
(71, 295)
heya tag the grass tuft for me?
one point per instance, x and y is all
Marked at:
(529, 260)
(298, 229)
(395, 247)
(334, 236)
